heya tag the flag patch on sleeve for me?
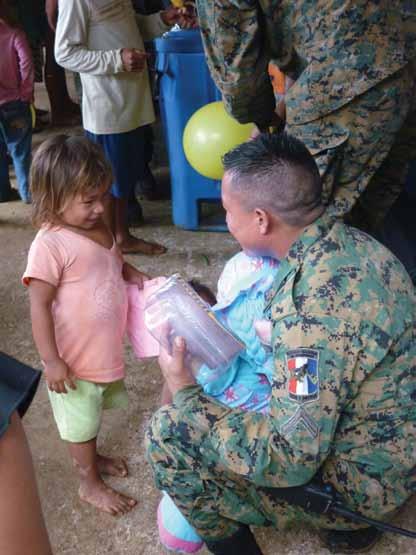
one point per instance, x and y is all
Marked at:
(303, 375)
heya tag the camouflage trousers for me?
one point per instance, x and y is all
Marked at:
(363, 149)
(214, 499)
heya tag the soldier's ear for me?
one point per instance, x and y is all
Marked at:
(262, 221)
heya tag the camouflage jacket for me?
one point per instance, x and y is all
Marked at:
(337, 49)
(343, 396)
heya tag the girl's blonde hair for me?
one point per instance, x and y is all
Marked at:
(62, 168)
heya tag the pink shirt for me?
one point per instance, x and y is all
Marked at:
(90, 307)
(16, 66)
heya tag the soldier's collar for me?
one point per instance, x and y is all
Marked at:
(289, 265)
(310, 235)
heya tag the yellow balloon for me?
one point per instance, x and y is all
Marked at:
(208, 135)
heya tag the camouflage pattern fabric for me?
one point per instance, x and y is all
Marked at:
(351, 102)
(336, 50)
(363, 150)
(343, 312)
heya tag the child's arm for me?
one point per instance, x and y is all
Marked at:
(132, 275)
(26, 68)
(58, 375)
(71, 45)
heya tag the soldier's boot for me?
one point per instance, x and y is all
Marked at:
(240, 543)
(350, 541)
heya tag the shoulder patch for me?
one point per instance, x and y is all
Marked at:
(302, 366)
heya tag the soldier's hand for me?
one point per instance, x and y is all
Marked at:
(174, 370)
(133, 59)
(276, 124)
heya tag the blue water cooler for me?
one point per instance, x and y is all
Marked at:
(185, 85)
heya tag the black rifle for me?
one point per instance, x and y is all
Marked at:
(323, 498)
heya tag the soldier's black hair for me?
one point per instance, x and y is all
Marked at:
(278, 174)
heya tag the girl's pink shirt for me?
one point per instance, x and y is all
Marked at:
(90, 306)
(16, 66)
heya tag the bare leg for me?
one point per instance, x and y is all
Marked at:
(21, 520)
(112, 466)
(166, 396)
(127, 242)
(63, 110)
(92, 489)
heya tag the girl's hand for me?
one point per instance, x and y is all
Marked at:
(58, 376)
(132, 275)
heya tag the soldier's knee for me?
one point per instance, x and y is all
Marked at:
(163, 438)
(154, 435)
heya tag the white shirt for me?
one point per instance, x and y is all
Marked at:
(90, 35)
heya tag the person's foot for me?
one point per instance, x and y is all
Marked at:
(350, 541)
(105, 499)
(12, 196)
(132, 245)
(175, 532)
(112, 466)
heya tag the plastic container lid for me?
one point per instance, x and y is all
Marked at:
(175, 309)
(186, 41)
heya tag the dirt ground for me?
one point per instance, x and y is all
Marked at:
(76, 528)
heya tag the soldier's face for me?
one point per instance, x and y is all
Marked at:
(241, 222)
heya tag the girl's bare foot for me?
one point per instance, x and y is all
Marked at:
(112, 466)
(104, 498)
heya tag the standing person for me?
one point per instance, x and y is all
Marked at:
(31, 16)
(353, 102)
(78, 305)
(16, 94)
(21, 519)
(101, 40)
(342, 410)
(51, 10)
(64, 111)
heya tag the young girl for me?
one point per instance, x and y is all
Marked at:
(78, 305)
(16, 94)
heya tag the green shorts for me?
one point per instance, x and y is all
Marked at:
(78, 412)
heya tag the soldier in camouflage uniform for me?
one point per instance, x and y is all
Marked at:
(343, 311)
(353, 102)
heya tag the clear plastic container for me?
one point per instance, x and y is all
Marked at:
(175, 309)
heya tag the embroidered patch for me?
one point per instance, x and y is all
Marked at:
(303, 370)
(300, 417)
